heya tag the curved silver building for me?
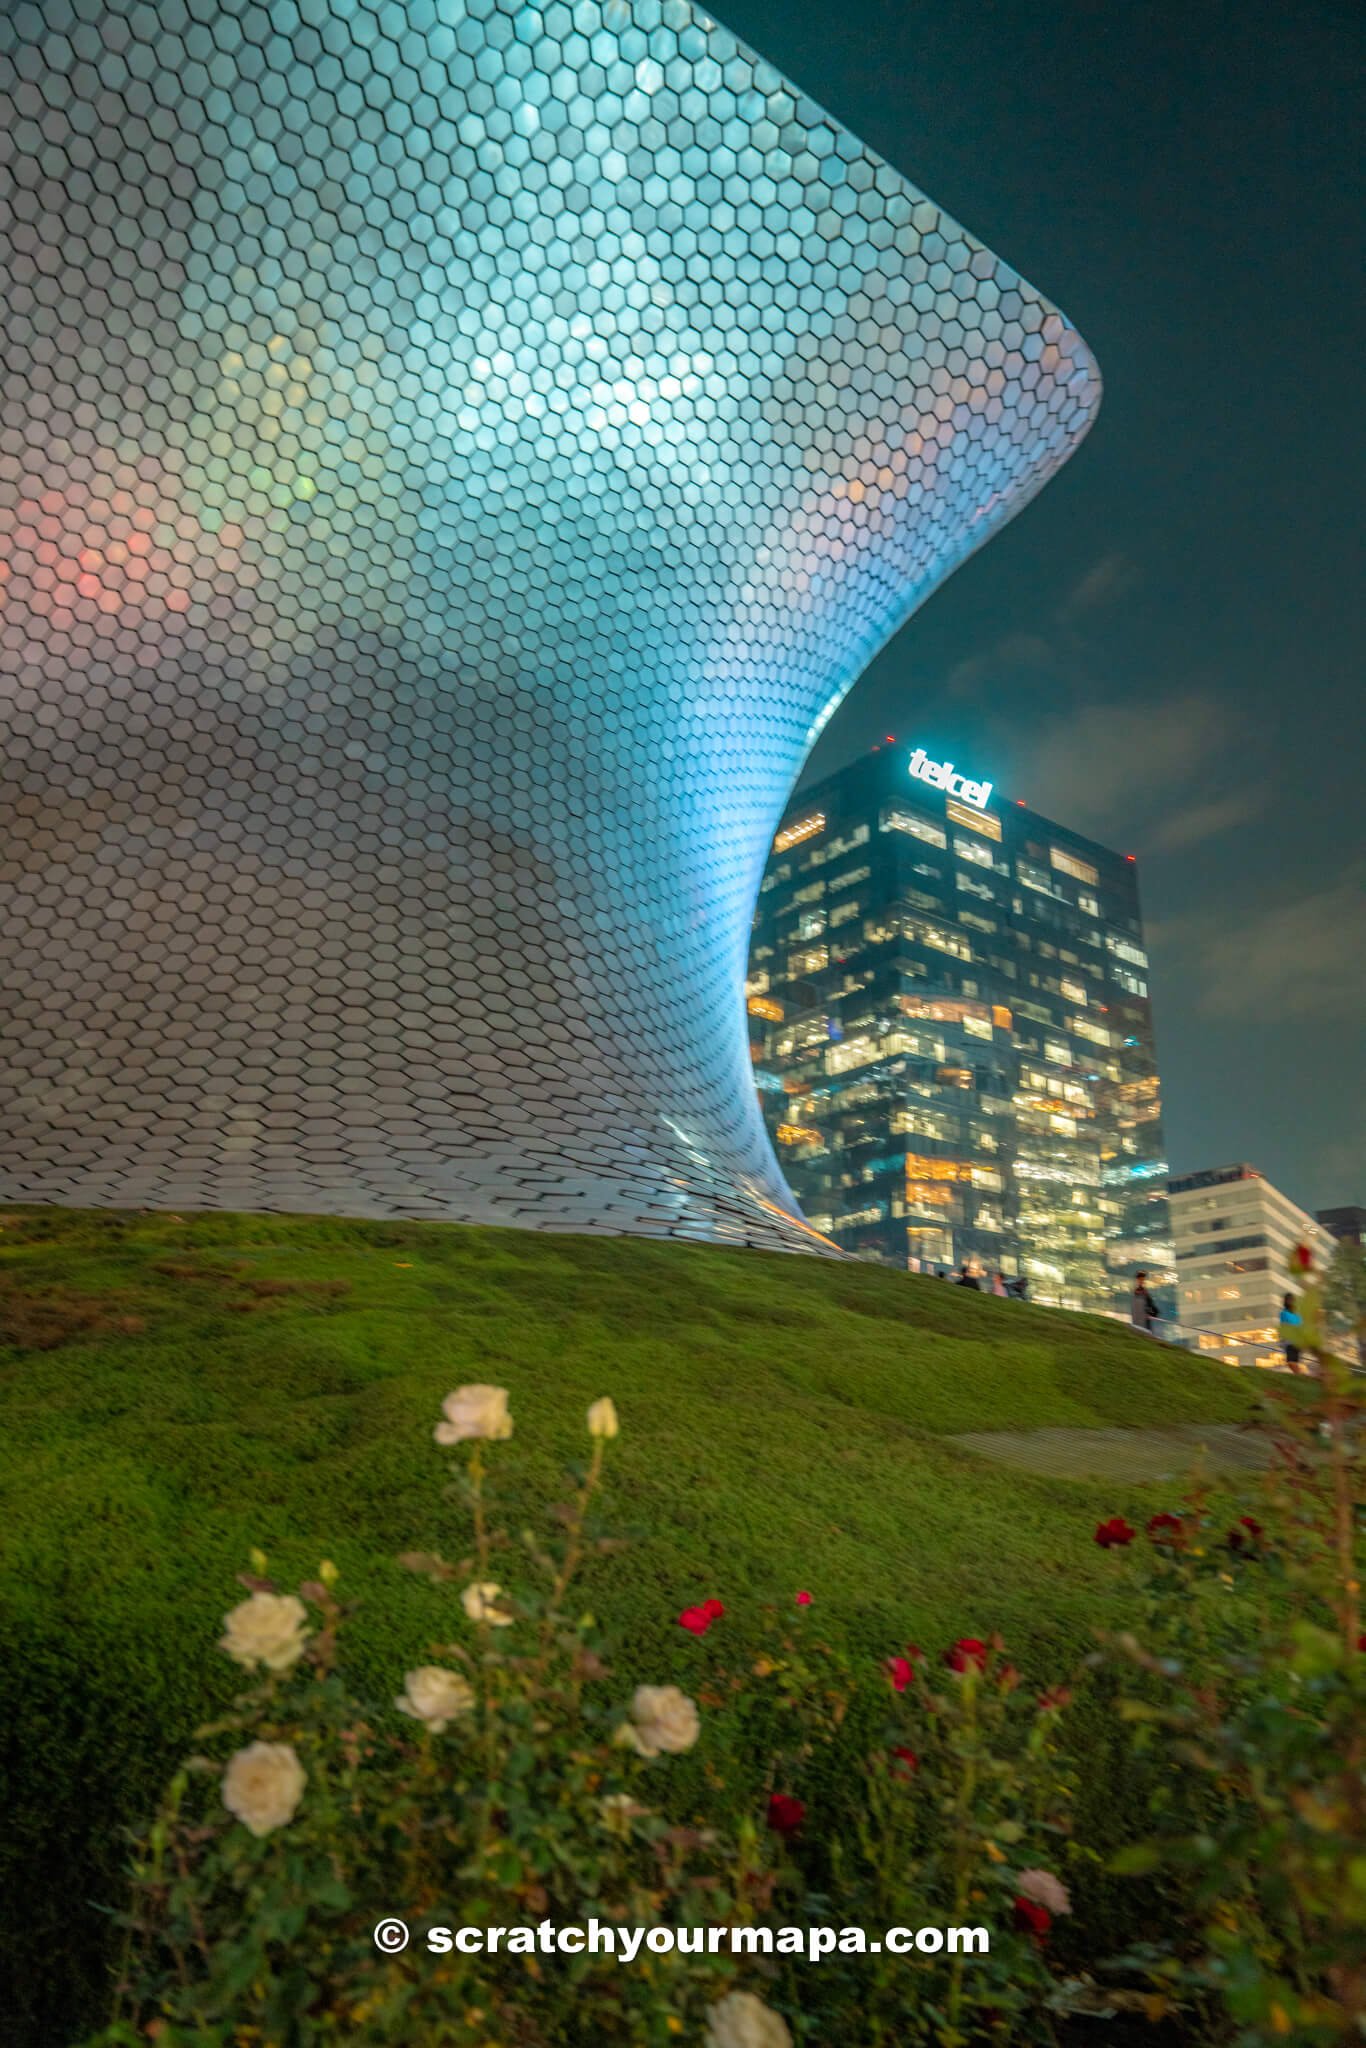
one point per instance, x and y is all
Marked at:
(453, 459)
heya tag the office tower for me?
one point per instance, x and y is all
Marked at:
(953, 1035)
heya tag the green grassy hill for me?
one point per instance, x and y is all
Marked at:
(174, 1391)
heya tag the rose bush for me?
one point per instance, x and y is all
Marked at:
(1246, 1684)
(507, 1782)
(493, 1785)
(512, 1780)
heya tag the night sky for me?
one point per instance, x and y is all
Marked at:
(1164, 651)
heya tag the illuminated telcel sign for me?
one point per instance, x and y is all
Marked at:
(943, 775)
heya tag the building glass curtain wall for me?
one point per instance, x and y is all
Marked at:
(453, 457)
(952, 1034)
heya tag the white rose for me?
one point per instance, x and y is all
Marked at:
(602, 1418)
(480, 1602)
(435, 1696)
(662, 1718)
(269, 1629)
(474, 1412)
(740, 2020)
(263, 1785)
(1045, 1890)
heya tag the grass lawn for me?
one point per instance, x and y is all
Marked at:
(176, 1390)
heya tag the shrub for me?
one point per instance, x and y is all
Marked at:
(1260, 1817)
(508, 1785)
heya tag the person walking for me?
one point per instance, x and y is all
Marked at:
(998, 1285)
(966, 1279)
(1143, 1310)
(1289, 1329)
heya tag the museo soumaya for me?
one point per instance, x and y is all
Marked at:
(454, 460)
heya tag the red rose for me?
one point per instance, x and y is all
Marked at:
(1303, 1257)
(695, 1619)
(1361, 1642)
(1055, 1699)
(713, 1609)
(906, 1761)
(1115, 1532)
(900, 1671)
(1247, 1531)
(803, 1599)
(785, 1814)
(1032, 1920)
(1165, 1528)
(968, 1654)
(914, 1651)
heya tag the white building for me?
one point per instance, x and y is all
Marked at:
(1235, 1240)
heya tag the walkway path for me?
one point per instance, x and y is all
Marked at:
(1140, 1454)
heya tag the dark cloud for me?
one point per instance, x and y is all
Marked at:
(1112, 578)
(1082, 765)
(982, 674)
(1302, 957)
(1165, 649)
(1207, 819)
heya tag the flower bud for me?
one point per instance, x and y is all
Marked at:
(602, 1418)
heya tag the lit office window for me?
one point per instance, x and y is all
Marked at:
(969, 849)
(801, 828)
(809, 962)
(894, 820)
(976, 821)
(1068, 864)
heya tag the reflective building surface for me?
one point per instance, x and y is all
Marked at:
(953, 1038)
(453, 458)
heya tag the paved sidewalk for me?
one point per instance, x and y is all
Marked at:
(1136, 1454)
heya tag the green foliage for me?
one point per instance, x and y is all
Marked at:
(1344, 1291)
(533, 1796)
(785, 1425)
(1259, 1818)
